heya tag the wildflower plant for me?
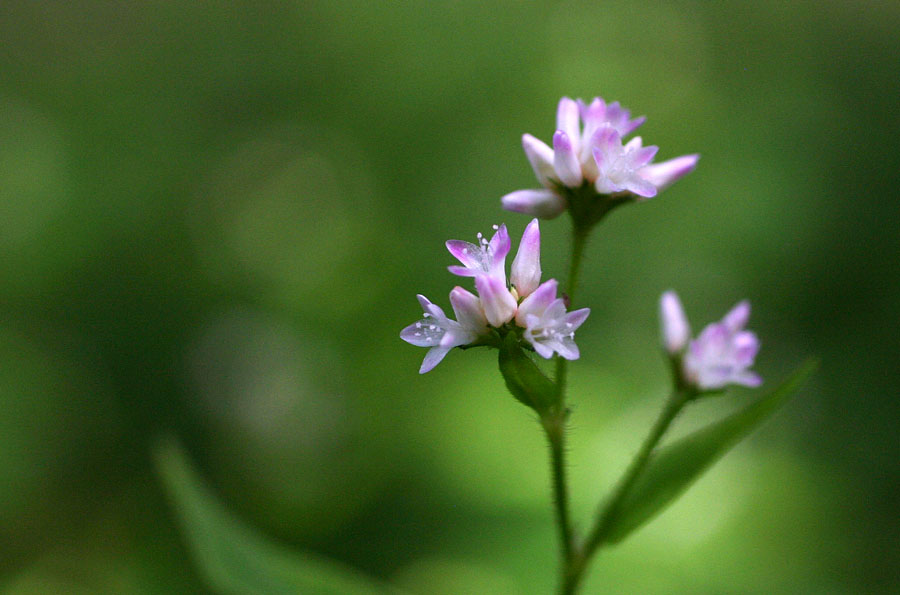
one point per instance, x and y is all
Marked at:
(533, 325)
(588, 170)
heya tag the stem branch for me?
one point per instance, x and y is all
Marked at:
(610, 510)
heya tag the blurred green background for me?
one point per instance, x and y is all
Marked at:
(215, 218)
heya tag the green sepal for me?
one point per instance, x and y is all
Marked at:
(673, 468)
(233, 557)
(587, 207)
(527, 383)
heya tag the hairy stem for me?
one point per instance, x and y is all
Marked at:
(579, 240)
(555, 428)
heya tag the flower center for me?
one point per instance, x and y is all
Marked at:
(482, 251)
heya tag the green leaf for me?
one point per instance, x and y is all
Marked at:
(673, 468)
(235, 558)
(523, 378)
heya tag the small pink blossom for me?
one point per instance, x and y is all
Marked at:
(548, 327)
(619, 166)
(486, 257)
(527, 304)
(442, 334)
(720, 355)
(587, 148)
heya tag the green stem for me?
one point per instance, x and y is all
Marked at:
(579, 241)
(555, 426)
(674, 405)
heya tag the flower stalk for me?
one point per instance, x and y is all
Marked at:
(554, 424)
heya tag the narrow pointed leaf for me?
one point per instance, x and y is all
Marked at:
(673, 468)
(527, 383)
(234, 558)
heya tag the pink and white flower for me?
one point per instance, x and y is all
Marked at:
(720, 356)
(524, 302)
(548, 327)
(442, 334)
(486, 261)
(484, 258)
(587, 148)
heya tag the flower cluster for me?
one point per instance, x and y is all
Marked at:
(719, 356)
(588, 150)
(524, 305)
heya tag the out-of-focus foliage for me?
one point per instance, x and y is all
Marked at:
(214, 218)
(673, 468)
(232, 557)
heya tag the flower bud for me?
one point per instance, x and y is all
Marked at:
(675, 329)
(525, 274)
(499, 304)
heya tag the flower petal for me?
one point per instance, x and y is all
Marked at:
(541, 158)
(499, 304)
(567, 114)
(456, 336)
(431, 309)
(629, 127)
(618, 117)
(737, 318)
(542, 349)
(467, 253)
(565, 161)
(676, 331)
(525, 273)
(640, 187)
(433, 358)
(537, 302)
(545, 204)
(666, 173)
(748, 378)
(746, 346)
(594, 116)
(577, 318)
(418, 334)
(644, 155)
(567, 349)
(468, 309)
(556, 311)
(604, 185)
(606, 144)
(498, 249)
